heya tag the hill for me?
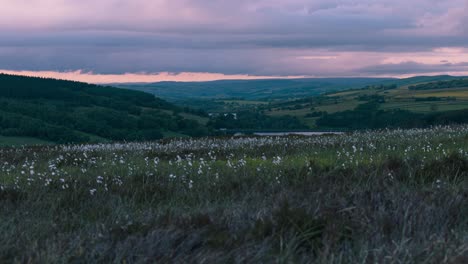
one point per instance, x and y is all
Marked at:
(412, 104)
(251, 89)
(65, 111)
(420, 80)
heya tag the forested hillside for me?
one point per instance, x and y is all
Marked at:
(66, 111)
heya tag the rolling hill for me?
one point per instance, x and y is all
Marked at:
(444, 97)
(265, 90)
(60, 111)
(251, 89)
(37, 110)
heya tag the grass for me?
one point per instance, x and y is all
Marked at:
(345, 93)
(329, 108)
(199, 119)
(339, 107)
(244, 102)
(427, 107)
(310, 122)
(395, 196)
(463, 94)
(298, 112)
(21, 141)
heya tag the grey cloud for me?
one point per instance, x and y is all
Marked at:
(330, 40)
(413, 68)
(241, 37)
(117, 60)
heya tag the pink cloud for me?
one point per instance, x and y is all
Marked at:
(243, 39)
(90, 77)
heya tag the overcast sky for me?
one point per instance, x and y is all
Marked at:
(152, 40)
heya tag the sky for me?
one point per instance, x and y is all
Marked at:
(109, 41)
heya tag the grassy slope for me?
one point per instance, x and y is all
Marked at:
(393, 196)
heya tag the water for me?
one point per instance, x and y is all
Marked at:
(276, 134)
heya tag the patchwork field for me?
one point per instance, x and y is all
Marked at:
(424, 101)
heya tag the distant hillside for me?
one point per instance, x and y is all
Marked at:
(66, 111)
(413, 102)
(458, 83)
(251, 89)
(421, 80)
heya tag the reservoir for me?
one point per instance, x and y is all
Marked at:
(295, 133)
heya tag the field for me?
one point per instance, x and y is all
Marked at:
(390, 196)
(426, 107)
(417, 101)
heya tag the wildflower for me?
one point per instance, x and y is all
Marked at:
(99, 179)
(277, 160)
(190, 184)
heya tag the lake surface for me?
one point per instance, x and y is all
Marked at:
(276, 134)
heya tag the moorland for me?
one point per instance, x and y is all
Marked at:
(389, 196)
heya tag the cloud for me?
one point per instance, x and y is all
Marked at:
(414, 68)
(256, 37)
(91, 77)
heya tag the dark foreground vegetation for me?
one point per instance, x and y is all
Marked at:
(379, 197)
(64, 111)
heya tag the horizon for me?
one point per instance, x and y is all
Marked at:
(66, 77)
(138, 42)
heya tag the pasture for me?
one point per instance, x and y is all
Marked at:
(418, 101)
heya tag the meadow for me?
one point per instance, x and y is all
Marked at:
(387, 196)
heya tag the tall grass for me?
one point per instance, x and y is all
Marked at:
(398, 196)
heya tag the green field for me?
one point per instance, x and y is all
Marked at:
(243, 102)
(425, 107)
(200, 119)
(391, 196)
(338, 107)
(457, 93)
(396, 98)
